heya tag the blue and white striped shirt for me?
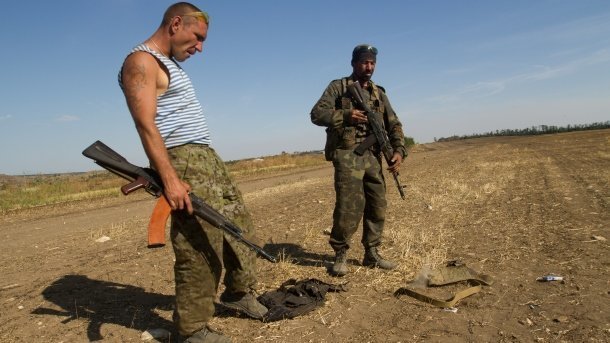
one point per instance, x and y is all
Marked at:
(179, 118)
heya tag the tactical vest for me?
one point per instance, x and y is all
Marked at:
(348, 137)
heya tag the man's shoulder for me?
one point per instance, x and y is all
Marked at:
(339, 81)
(139, 65)
(140, 57)
(138, 54)
(141, 52)
(339, 85)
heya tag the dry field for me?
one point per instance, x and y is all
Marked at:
(514, 208)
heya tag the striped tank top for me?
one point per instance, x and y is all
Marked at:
(179, 118)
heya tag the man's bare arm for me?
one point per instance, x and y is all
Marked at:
(140, 73)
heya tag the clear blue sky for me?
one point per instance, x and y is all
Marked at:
(449, 67)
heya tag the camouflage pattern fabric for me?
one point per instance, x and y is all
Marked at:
(359, 181)
(201, 249)
(359, 188)
(333, 110)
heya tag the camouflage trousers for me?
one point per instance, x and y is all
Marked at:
(201, 250)
(360, 193)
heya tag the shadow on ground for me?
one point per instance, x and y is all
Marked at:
(295, 254)
(103, 302)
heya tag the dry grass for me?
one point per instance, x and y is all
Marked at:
(314, 200)
(436, 203)
(119, 231)
(273, 164)
(24, 192)
(431, 202)
(511, 208)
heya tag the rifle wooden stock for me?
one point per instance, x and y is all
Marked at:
(138, 183)
(149, 180)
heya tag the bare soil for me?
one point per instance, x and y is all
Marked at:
(514, 208)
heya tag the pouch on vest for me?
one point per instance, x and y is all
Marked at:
(295, 298)
(332, 140)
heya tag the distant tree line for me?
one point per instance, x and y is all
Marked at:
(409, 141)
(530, 131)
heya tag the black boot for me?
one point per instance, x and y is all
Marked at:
(373, 260)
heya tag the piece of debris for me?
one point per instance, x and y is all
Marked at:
(450, 309)
(561, 319)
(548, 278)
(526, 322)
(326, 231)
(13, 285)
(151, 334)
(295, 298)
(453, 272)
(103, 239)
(598, 238)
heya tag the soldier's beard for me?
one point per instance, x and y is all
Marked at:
(365, 77)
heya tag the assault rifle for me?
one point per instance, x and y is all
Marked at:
(150, 180)
(379, 135)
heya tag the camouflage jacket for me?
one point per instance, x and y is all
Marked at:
(333, 111)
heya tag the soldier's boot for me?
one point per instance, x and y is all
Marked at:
(206, 336)
(244, 302)
(339, 268)
(374, 260)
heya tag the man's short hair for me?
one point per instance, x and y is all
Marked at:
(181, 9)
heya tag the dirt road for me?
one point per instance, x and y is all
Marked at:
(514, 208)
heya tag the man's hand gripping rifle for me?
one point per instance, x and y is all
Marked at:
(149, 180)
(379, 135)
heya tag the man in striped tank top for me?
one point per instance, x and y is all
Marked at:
(171, 125)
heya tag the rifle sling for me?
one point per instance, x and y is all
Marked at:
(448, 275)
(442, 303)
